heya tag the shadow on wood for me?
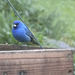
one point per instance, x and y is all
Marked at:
(22, 60)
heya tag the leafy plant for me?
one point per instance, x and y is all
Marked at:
(54, 20)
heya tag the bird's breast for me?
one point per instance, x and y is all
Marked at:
(20, 35)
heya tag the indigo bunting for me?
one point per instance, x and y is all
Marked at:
(21, 33)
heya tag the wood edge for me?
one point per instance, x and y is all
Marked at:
(36, 50)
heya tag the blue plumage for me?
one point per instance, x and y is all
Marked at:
(21, 33)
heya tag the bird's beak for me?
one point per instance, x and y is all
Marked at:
(14, 25)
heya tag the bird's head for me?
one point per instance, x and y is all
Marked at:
(17, 23)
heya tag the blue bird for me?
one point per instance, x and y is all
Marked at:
(21, 33)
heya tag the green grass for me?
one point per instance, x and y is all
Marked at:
(48, 20)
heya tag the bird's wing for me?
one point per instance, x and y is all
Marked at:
(29, 34)
(32, 37)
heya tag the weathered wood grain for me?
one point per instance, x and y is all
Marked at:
(35, 61)
(16, 47)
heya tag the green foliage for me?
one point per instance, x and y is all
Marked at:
(48, 20)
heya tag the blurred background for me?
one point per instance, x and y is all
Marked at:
(51, 21)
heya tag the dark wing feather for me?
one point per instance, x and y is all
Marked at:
(32, 37)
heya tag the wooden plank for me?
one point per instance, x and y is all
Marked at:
(40, 64)
(23, 47)
(41, 73)
(35, 55)
(16, 47)
(35, 61)
(45, 64)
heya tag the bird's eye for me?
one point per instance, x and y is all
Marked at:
(17, 23)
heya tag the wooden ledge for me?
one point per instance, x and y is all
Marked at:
(35, 61)
(9, 47)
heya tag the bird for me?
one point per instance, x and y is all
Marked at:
(21, 32)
